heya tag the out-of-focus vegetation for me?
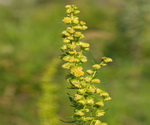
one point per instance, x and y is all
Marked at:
(48, 105)
(30, 33)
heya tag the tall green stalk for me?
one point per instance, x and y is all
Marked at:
(87, 108)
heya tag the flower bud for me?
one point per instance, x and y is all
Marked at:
(91, 90)
(83, 59)
(72, 46)
(70, 30)
(84, 45)
(104, 94)
(103, 64)
(78, 97)
(64, 47)
(74, 7)
(90, 101)
(75, 21)
(97, 122)
(100, 103)
(77, 34)
(66, 66)
(90, 71)
(66, 41)
(77, 27)
(75, 81)
(108, 60)
(82, 23)
(107, 98)
(73, 60)
(70, 38)
(100, 113)
(68, 11)
(65, 33)
(98, 91)
(96, 66)
(95, 81)
(86, 49)
(72, 52)
(68, 6)
(76, 12)
(88, 78)
(80, 113)
(82, 36)
(84, 27)
(67, 58)
(82, 102)
(88, 119)
(81, 91)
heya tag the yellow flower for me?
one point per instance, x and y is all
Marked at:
(90, 101)
(104, 124)
(83, 59)
(73, 60)
(82, 23)
(79, 112)
(68, 11)
(68, 6)
(72, 46)
(67, 20)
(76, 12)
(104, 94)
(95, 81)
(78, 97)
(91, 90)
(77, 71)
(81, 91)
(72, 52)
(84, 45)
(106, 59)
(66, 66)
(96, 66)
(75, 21)
(89, 71)
(70, 38)
(64, 47)
(88, 78)
(98, 91)
(107, 98)
(100, 113)
(70, 30)
(97, 122)
(82, 102)
(77, 27)
(77, 34)
(84, 27)
(66, 41)
(100, 103)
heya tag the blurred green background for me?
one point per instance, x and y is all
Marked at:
(30, 38)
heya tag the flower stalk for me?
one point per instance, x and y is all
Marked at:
(87, 108)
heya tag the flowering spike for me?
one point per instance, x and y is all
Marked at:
(84, 100)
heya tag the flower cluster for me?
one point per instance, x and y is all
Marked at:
(87, 108)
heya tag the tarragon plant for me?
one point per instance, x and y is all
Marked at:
(89, 98)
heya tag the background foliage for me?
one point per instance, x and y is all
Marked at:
(30, 39)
